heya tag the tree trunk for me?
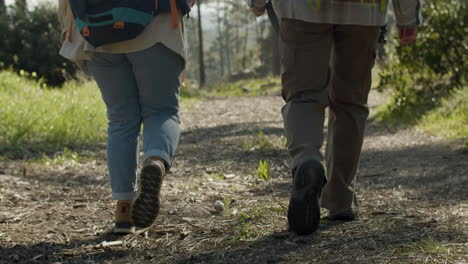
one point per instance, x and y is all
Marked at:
(246, 40)
(220, 40)
(236, 41)
(201, 59)
(227, 39)
(2, 6)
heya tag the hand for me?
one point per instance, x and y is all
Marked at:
(408, 35)
(192, 2)
(258, 11)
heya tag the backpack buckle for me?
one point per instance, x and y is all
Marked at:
(86, 32)
(119, 25)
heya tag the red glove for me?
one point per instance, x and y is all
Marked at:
(258, 11)
(408, 35)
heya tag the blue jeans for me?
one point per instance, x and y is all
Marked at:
(138, 88)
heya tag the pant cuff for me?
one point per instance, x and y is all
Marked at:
(303, 157)
(124, 195)
(159, 154)
(329, 207)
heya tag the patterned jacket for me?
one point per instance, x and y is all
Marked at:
(356, 12)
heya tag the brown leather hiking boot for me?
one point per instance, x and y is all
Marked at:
(123, 220)
(145, 208)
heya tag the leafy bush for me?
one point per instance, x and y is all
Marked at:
(31, 41)
(423, 73)
(450, 119)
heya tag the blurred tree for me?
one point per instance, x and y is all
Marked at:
(2, 6)
(237, 44)
(31, 41)
(219, 40)
(21, 5)
(201, 58)
(227, 38)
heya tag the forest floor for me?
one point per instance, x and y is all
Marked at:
(412, 189)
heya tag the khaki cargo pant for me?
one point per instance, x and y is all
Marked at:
(328, 65)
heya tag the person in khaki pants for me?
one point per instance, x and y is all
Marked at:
(329, 52)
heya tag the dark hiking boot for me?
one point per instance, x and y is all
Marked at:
(145, 208)
(304, 205)
(123, 220)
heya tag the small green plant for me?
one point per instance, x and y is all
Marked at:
(219, 176)
(263, 142)
(246, 228)
(246, 231)
(263, 171)
(227, 203)
(260, 142)
(65, 157)
(249, 144)
(256, 221)
(284, 141)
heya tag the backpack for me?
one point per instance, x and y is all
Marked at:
(103, 22)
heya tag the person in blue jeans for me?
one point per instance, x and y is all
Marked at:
(139, 80)
(139, 88)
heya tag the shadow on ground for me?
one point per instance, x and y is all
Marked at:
(75, 251)
(402, 183)
(348, 245)
(435, 170)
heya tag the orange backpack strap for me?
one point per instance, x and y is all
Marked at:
(174, 13)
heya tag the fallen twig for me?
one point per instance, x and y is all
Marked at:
(109, 244)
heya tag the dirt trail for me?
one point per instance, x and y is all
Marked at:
(412, 193)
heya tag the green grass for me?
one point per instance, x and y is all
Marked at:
(36, 119)
(218, 176)
(260, 141)
(248, 87)
(256, 221)
(429, 251)
(448, 119)
(61, 158)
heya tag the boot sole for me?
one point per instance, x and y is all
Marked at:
(304, 205)
(124, 230)
(346, 216)
(145, 208)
